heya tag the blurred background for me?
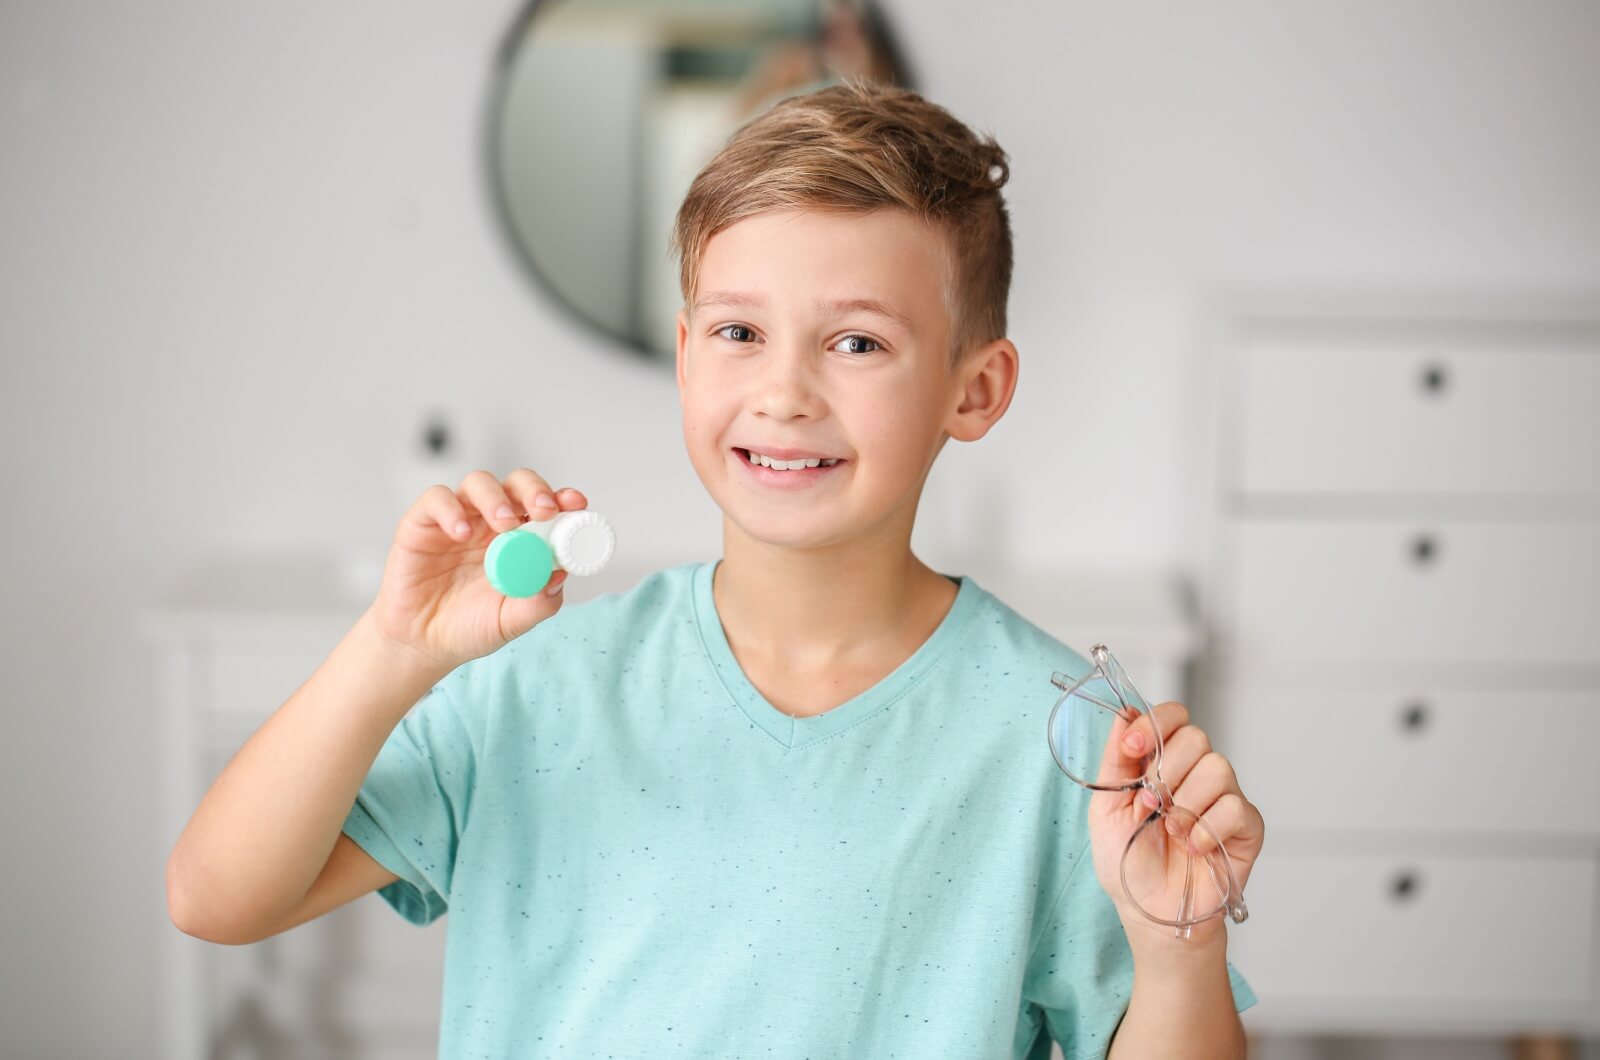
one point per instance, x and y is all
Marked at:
(1307, 295)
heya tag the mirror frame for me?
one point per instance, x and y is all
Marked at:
(505, 53)
(493, 114)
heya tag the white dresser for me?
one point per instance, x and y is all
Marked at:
(1403, 611)
(242, 633)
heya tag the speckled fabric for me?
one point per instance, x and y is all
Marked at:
(642, 857)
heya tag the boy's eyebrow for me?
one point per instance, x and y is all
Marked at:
(842, 305)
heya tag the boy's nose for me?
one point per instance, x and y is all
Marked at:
(788, 385)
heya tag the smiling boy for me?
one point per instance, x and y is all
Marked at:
(796, 802)
(818, 591)
(845, 263)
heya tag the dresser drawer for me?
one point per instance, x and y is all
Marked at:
(1363, 407)
(1338, 926)
(1416, 759)
(1385, 591)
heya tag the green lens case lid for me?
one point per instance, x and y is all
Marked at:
(519, 562)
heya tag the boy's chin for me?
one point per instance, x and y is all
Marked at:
(784, 525)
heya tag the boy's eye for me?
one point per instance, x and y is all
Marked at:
(876, 345)
(731, 327)
(745, 334)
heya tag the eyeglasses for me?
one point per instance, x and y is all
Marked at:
(1165, 888)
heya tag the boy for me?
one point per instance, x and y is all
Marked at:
(797, 802)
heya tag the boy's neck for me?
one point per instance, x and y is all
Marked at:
(797, 614)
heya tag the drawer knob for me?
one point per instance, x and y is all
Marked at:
(1415, 716)
(1433, 379)
(1424, 549)
(1404, 886)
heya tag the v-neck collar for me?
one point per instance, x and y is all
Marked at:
(794, 732)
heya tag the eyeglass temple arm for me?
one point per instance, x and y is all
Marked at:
(1065, 683)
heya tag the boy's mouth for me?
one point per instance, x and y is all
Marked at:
(825, 459)
(797, 477)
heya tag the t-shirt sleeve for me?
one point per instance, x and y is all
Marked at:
(1080, 974)
(412, 807)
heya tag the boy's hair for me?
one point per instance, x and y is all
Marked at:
(863, 146)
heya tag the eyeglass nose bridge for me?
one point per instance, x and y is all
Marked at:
(1162, 792)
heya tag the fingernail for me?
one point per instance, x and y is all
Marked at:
(1151, 800)
(503, 512)
(1135, 741)
(461, 529)
(544, 500)
(556, 588)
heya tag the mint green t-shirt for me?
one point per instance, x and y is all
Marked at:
(643, 857)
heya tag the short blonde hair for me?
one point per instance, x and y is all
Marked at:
(863, 146)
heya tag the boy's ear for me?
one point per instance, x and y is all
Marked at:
(683, 334)
(986, 382)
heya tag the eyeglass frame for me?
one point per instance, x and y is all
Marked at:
(1233, 898)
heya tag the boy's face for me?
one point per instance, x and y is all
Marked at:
(773, 355)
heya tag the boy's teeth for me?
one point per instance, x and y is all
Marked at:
(786, 465)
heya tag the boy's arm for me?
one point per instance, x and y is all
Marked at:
(266, 833)
(350, 873)
(1182, 1005)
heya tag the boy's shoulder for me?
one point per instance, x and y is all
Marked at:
(1003, 629)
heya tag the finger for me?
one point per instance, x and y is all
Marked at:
(485, 492)
(522, 613)
(1181, 750)
(1124, 759)
(1168, 716)
(1230, 817)
(533, 492)
(570, 499)
(1210, 780)
(440, 507)
(1116, 765)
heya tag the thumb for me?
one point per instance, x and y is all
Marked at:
(521, 613)
(1116, 764)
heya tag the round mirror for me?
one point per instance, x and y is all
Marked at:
(604, 110)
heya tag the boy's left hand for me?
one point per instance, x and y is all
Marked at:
(1201, 781)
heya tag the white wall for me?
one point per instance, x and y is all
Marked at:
(242, 247)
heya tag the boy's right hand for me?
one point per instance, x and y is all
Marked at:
(435, 598)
